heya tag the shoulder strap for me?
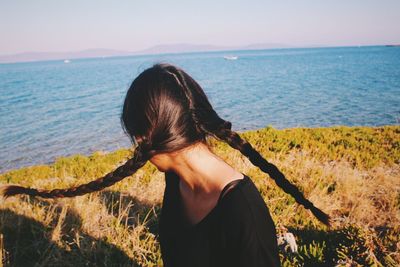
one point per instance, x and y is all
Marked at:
(229, 187)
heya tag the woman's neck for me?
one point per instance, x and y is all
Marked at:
(202, 172)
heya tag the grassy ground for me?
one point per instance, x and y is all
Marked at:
(351, 173)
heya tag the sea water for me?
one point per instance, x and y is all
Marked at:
(52, 108)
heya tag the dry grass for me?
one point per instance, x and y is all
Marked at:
(352, 173)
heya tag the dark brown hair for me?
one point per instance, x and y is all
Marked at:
(165, 110)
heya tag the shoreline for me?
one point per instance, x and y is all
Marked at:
(301, 128)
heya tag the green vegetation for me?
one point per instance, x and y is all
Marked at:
(351, 173)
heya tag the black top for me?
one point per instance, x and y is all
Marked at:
(238, 231)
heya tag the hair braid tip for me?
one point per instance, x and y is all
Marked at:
(7, 191)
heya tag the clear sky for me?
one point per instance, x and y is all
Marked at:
(71, 25)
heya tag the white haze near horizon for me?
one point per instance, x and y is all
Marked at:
(57, 26)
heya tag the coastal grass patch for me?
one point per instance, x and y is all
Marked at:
(351, 173)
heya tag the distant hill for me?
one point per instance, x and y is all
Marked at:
(181, 48)
(159, 49)
(42, 56)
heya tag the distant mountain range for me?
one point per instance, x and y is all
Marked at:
(159, 49)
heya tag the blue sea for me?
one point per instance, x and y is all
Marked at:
(51, 109)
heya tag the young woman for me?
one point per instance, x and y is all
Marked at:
(212, 215)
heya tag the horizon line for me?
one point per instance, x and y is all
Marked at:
(138, 52)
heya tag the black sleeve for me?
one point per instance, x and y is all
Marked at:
(250, 229)
(254, 251)
(167, 229)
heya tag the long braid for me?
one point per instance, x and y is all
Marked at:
(208, 121)
(235, 141)
(130, 167)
